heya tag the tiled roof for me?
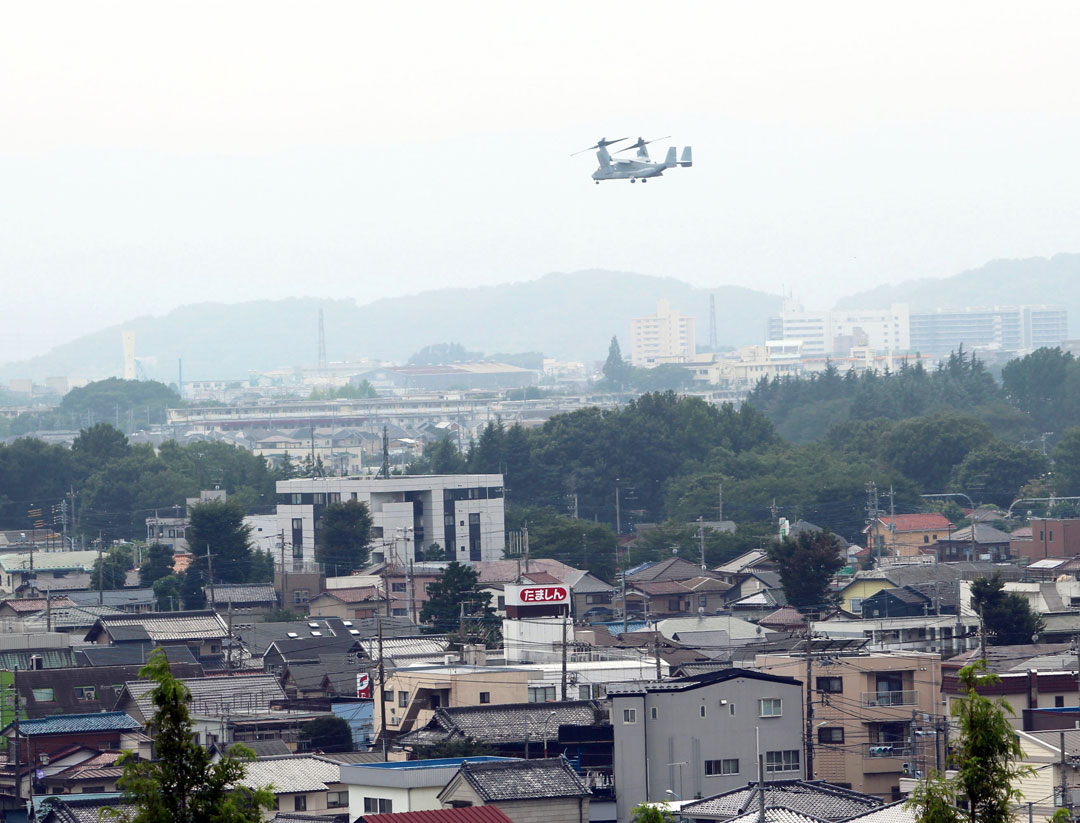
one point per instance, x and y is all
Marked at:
(242, 694)
(775, 814)
(80, 724)
(984, 534)
(897, 812)
(816, 799)
(162, 626)
(77, 809)
(468, 814)
(786, 617)
(29, 605)
(927, 521)
(242, 594)
(506, 571)
(541, 577)
(674, 568)
(660, 587)
(416, 646)
(117, 598)
(360, 594)
(292, 773)
(49, 561)
(523, 779)
(507, 723)
(697, 681)
(131, 653)
(68, 617)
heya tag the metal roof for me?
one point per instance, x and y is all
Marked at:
(161, 626)
(79, 724)
(242, 694)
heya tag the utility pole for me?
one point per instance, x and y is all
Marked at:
(618, 517)
(584, 550)
(982, 635)
(281, 547)
(382, 689)
(210, 574)
(701, 539)
(892, 521)
(48, 611)
(913, 757)
(872, 515)
(721, 496)
(228, 656)
(100, 570)
(525, 545)
(575, 506)
(1064, 777)
(773, 510)
(565, 677)
(623, 583)
(809, 705)
(656, 653)
(18, 754)
(410, 583)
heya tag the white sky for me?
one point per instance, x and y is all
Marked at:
(157, 154)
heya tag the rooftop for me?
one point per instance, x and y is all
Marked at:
(79, 724)
(293, 773)
(468, 814)
(813, 798)
(161, 627)
(240, 694)
(539, 779)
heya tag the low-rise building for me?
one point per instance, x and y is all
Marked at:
(527, 791)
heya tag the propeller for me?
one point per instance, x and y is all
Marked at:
(602, 143)
(641, 142)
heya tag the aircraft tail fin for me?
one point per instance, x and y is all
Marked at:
(687, 158)
(669, 161)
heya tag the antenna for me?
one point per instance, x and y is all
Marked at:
(322, 344)
(712, 322)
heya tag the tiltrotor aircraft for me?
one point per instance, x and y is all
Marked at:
(641, 166)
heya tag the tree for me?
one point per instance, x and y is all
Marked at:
(581, 544)
(986, 759)
(616, 370)
(456, 587)
(157, 563)
(434, 552)
(99, 444)
(807, 565)
(218, 527)
(344, 535)
(183, 785)
(455, 747)
(1007, 616)
(439, 354)
(191, 588)
(109, 571)
(927, 449)
(651, 813)
(1000, 469)
(1067, 462)
(327, 734)
(168, 593)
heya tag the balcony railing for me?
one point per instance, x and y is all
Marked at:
(887, 750)
(894, 698)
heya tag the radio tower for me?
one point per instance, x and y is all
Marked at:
(322, 344)
(712, 322)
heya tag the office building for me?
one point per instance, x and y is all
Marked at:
(998, 328)
(665, 337)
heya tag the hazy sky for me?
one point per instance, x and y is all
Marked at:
(157, 154)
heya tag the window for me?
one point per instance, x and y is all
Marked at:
(43, 695)
(337, 800)
(653, 713)
(400, 612)
(297, 499)
(320, 498)
(856, 605)
(335, 497)
(1059, 701)
(926, 538)
(541, 694)
(701, 709)
(301, 596)
(629, 716)
(502, 602)
(378, 805)
(731, 709)
(397, 587)
(714, 768)
(830, 734)
(388, 696)
(403, 699)
(674, 604)
(485, 697)
(771, 707)
(300, 803)
(85, 693)
(833, 685)
(783, 761)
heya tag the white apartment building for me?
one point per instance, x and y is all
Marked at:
(664, 337)
(461, 512)
(839, 331)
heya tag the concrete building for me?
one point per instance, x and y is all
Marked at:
(461, 512)
(1005, 328)
(666, 336)
(840, 331)
(696, 736)
(1050, 537)
(862, 714)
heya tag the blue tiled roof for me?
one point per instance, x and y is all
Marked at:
(79, 724)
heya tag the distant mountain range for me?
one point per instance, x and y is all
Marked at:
(1035, 280)
(564, 315)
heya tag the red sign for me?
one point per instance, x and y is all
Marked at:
(363, 684)
(543, 594)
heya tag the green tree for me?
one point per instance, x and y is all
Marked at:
(807, 565)
(183, 784)
(157, 563)
(168, 593)
(343, 537)
(99, 444)
(109, 571)
(1067, 462)
(456, 592)
(218, 527)
(665, 377)
(997, 470)
(327, 734)
(616, 370)
(927, 449)
(191, 588)
(434, 552)
(582, 544)
(439, 354)
(455, 747)
(1007, 616)
(651, 813)
(986, 758)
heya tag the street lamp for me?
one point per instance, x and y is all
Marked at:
(543, 730)
(680, 764)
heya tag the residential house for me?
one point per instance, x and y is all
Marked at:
(347, 604)
(944, 634)
(752, 560)
(242, 598)
(464, 814)
(306, 784)
(988, 544)
(526, 791)
(696, 736)
(82, 809)
(675, 598)
(863, 706)
(46, 571)
(674, 568)
(203, 632)
(399, 786)
(20, 607)
(135, 601)
(413, 695)
(755, 581)
(942, 575)
(906, 535)
(95, 775)
(815, 799)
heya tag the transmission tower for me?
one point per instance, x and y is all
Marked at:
(322, 344)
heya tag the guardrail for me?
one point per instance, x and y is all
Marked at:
(893, 698)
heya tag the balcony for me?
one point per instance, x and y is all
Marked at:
(891, 698)
(885, 758)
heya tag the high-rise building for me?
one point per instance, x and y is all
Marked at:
(838, 331)
(1005, 328)
(665, 337)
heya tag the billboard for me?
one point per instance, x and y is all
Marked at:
(537, 595)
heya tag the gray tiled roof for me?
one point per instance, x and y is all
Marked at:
(242, 594)
(75, 809)
(292, 773)
(775, 814)
(162, 626)
(523, 779)
(507, 723)
(897, 812)
(813, 798)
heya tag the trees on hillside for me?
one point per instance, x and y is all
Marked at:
(343, 538)
(581, 544)
(997, 470)
(1067, 463)
(183, 784)
(927, 449)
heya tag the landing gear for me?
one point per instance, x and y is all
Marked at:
(597, 182)
(633, 179)
(644, 180)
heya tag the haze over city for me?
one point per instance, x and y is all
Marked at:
(158, 156)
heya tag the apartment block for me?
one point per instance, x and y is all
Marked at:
(664, 337)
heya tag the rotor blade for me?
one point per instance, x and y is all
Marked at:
(631, 147)
(585, 150)
(612, 142)
(666, 137)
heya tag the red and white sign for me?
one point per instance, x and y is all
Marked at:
(363, 684)
(546, 595)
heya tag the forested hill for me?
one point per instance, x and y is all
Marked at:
(1035, 280)
(564, 315)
